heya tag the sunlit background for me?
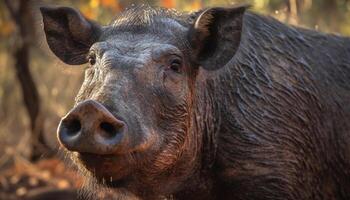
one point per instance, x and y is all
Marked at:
(57, 83)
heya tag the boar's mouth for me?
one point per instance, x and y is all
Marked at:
(115, 183)
(107, 170)
(94, 159)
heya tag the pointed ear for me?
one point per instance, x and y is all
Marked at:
(215, 35)
(69, 34)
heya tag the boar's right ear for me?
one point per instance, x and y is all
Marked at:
(215, 35)
(69, 34)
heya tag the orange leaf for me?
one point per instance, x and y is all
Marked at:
(168, 3)
(108, 3)
(112, 4)
(196, 5)
(89, 12)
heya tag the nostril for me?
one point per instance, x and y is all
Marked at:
(73, 127)
(109, 129)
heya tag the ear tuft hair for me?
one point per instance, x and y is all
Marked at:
(203, 21)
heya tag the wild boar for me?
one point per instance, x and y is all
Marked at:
(221, 103)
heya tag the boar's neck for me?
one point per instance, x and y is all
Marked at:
(271, 114)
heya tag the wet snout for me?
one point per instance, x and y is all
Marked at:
(91, 128)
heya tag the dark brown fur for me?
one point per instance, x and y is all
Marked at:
(259, 110)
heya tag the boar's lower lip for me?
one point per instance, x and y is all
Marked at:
(94, 160)
(116, 183)
(94, 157)
(101, 166)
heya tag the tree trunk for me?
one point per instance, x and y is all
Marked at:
(21, 15)
(333, 14)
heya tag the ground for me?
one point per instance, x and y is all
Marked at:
(25, 178)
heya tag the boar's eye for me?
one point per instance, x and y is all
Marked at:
(91, 58)
(175, 65)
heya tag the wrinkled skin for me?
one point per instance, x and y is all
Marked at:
(218, 104)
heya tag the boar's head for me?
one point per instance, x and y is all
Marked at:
(138, 124)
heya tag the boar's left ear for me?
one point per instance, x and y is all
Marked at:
(69, 34)
(215, 35)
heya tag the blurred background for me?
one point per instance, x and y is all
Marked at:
(36, 89)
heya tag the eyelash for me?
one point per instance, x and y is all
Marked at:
(175, 65)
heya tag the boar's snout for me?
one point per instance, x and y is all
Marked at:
(91, 128)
